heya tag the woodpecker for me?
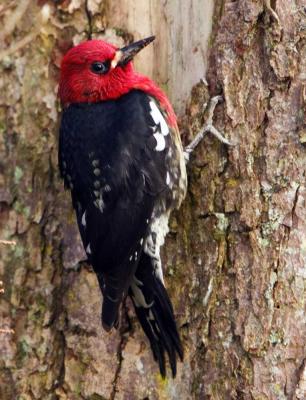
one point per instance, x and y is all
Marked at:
(121, 156)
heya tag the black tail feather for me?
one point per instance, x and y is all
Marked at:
(155, 313)
(157, 347)
(171, 321)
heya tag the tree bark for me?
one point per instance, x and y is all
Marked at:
(235, 257)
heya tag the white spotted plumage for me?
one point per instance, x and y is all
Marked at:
(168, 178)
(88, 249)
(84, 218)
(99, 203)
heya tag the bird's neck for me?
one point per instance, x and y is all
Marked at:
(139, 82)
(71, 93)
(148, 86)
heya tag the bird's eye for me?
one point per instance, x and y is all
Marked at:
(100, 67)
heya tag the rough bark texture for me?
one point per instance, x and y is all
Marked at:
(235, 258)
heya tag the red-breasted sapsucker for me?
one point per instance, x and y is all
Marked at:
(121, 156)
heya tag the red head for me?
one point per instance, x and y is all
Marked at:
(96, 71)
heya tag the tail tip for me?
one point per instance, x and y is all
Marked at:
(106, 327)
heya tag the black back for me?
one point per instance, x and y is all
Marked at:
(107, 158)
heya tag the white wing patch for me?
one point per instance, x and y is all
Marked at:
(160, 140)
(158, 118)
(160, 129)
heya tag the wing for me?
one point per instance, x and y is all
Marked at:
(112, 156)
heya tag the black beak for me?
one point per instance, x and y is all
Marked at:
(127, 53)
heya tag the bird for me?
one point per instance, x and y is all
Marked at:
(121, 156)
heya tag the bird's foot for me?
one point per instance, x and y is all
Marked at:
(208, 127)
(268, 6)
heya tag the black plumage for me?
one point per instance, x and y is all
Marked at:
(115, 159)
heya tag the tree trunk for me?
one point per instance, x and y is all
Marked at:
(236, 253)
